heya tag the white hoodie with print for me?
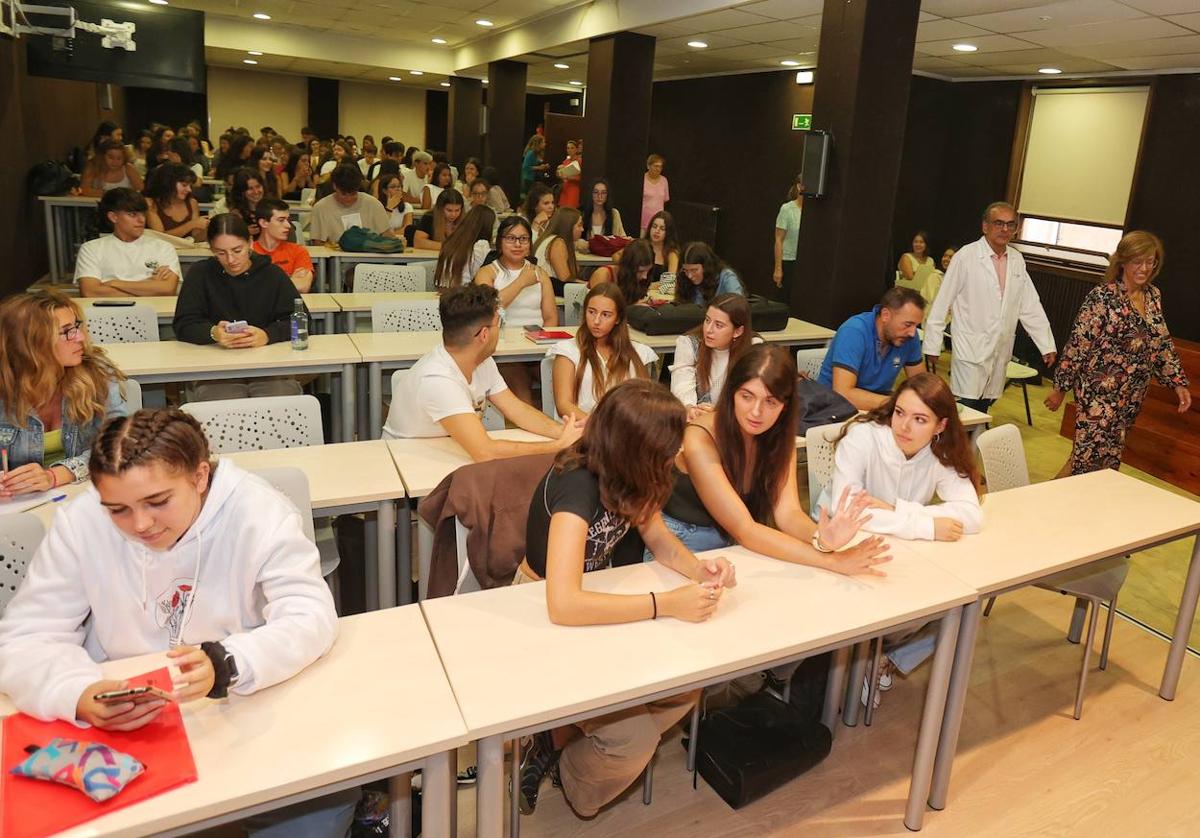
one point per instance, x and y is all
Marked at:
(92, 594)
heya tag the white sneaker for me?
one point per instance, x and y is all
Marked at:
(866, 693)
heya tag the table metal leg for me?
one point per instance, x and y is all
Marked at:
(335, 281)
(351, 321)
(439, 798)
(514, 790)
(400, 805)
(932, 718)
(348, 387)
(960, 678)
(835, 686)
(363, 421)
(1183, 627)
(385, 555)
(51, 240)
(375, 395)
(322, 276)
(403, 564)
(489, 788)
(858, 671)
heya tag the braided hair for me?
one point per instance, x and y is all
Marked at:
(167, 436)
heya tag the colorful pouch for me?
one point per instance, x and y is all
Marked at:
(96, 770)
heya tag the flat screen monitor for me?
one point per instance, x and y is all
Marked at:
(815, 163)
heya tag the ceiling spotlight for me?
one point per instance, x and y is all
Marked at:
(253, 52)
(561, 66)
(445, 84)
(416, 72)
(576, 83)
(485, 81)
(439, 40)
(395, 78)
(790, 63)
(261, 16)
(249, 61)
(484, 22)
(964, 48)
(159, 2)
(697, 44)
(1050, 71)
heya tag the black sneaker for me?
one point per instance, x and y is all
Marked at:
(538, 759)
(468, 776)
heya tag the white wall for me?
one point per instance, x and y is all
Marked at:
(382, 110)
(251, 99)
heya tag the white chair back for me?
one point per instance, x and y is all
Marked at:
(371, 278)
(1003, 456)
(20, 536)
(818, 446)
(547, 373)
(414, 316)
(573, 295)
(258, 424)
(808, 361)
(133, 395)
(292, 483)
(121, 324)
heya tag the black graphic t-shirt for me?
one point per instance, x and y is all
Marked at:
(578, 492)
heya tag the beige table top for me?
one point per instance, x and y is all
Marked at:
(339, 474)
(424, 463)
(797, 331)
(378, 700)
(172, 356)
(363, 302)
(410, 346)
(551, 672)
(202, 251)
(164, 307)
(1048, 527)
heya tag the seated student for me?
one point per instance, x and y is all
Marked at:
(735, 479)
(236, 284)
(109, 169)
(171, 553)
(391, 195)
(444, 394)
(243, 197)
(868, 350)
(704, 355)
(608, 355)
(440, 222)
(705, 276)
(297, 174)
(263, 161)
(416, 177)
(347, 207)
(274, 227)
(56, 387)
(592, 497)
(901, 454)
(538, 207)
(477, 193)
(338, 154)
(554, 248)
(665, 241)
(600, 217)
(442, 178)
(525, 292)
(126, 263)
(632, 274)
(497, 200)
(464, 251)
(472, 169)
(172, 208)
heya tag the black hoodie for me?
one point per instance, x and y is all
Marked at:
(263, 296)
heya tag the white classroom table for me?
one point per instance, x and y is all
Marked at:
(342, 722)
(778, 612)
(400, 350)
(342, 259)
(320, 256)
(322, 307)
(352, 305)
(175, 361)
(1042, 529)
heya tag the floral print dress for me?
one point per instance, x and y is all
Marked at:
(1112, 354)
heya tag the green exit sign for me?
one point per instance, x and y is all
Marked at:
(801, 121)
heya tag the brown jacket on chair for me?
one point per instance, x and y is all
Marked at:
(492, 500)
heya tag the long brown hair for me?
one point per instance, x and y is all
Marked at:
(759, 481)
(630, 444)
(444, 199)
(1135, 245)
(29, 371)
(738, 309)
(670, 234)
(459, 245)
(952, 447)
(622, 353)
(699, 253)
(639, 254)
(166, 435)
(562, 224)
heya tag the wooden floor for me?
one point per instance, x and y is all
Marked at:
(1025, 767)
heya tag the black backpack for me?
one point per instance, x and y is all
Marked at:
(51, 177)
(820, 405)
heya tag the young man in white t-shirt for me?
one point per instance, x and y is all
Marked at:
(416, 177)
(126, 263)
(445, 392)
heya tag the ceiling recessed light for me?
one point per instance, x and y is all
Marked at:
(445, 84)
(159, 2)
(576, 83)
(561, 66)
(1050, 71)
(790, 63)
(439, 40)
(253, 52)
(249, 61)
(395, 78)
(416, 72)
(261, 16)
(697, 44)
(484, 22)
(964, 48)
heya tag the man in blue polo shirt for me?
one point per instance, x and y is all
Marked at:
(870, 348)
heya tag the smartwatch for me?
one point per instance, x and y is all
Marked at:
(225, 671)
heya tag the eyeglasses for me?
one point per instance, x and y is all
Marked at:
(1146, 264)
(998, 224)
(515, 239)
(71, 332)
(501, 316)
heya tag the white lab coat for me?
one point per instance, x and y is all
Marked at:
(985, 324)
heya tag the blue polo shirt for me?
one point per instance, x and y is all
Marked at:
(856, 347)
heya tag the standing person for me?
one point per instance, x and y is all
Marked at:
(589, 500)
(600, 356)
(705, 276)
(126, 263)
(570, 173)
(787, 237)
(538, 207)
(655, 190)
(56, 387)
(533, 166)
(704, 355)
(987, 290)
(347, 207)
(917, 267)
(274, 227)
(1119, 343)
(464, 251)
(172, 208)
(439, 223)
(109, 169)
(554, 248)
(600, 217)
(665, 240)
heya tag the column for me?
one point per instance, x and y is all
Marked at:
(322, 106)
(506, 123)
(466, 97)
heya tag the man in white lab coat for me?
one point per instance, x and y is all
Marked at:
(988, 290)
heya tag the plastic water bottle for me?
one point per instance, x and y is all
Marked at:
(299, 326)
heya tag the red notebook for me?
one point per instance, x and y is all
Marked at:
(36, 807)
(546, 336)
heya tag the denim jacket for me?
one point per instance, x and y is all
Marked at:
(727, 283)
(27, 445)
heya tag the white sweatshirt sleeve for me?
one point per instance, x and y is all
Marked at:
(683, 371)
(301, 622)
(43, 666)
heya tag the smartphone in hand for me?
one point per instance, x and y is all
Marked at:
(138, 695)
(236, 327)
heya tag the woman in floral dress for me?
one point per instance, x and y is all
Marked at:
(1120, 341)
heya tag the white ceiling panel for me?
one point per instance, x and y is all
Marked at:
(776, 30)
(987, 43)
(676, 46)
(1160, 62)
(784, 9)
(1054, 16)
(1067, 64)
(939, 30)
(1103, 33)
(1191, 21)
(749, 52)
(1163, 7)
(963, 8)
(1153, 47)
(725, 19)
(1042, 56)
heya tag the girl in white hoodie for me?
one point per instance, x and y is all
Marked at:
(166, 551)
(902, 454)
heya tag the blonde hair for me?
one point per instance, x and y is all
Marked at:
(29, 371)
(1135, 245)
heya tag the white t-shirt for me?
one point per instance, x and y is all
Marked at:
(412, 184)
(436, 388)
(569, 349)
(108, 258)
(434, 191)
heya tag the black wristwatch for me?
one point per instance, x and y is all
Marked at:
(225, 671)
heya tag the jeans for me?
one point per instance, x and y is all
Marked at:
(694, 537)
(325, 817)
(912, 649)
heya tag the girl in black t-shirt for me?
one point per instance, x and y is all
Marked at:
(616, 478)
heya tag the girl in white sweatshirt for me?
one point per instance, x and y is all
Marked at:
(902, 454)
